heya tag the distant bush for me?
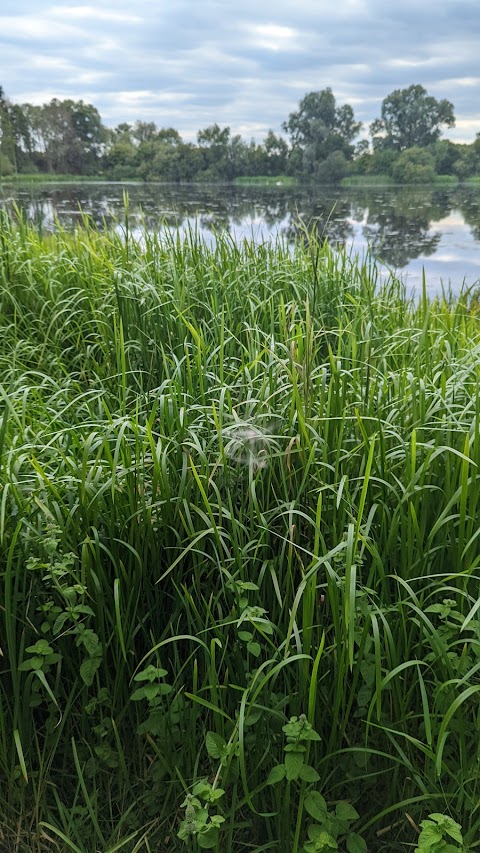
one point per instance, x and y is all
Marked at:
(414, 166)
(333, 169)
(6, 167)
(446, 179)
(366, 181)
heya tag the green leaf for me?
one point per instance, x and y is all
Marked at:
(453, 829)
(315, 806)
(151, 673)
(312, 735)
(356, 844)
(276, 774)
(60, 622)
(202, 789)
(430, 834)
(84, 609)
(246, 636)
(254, 649)
(215, 744)
(41, 647)
(345, 811)
(325, 842)
(138, 694)
(207, 840)
(309, 774)
(314, 831)
(216, 794)
(88, 669)
(90, 641)
(293, 764)
(151, 690)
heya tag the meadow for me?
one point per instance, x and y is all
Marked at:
(239, 549)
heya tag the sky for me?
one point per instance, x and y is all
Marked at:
(247, 64)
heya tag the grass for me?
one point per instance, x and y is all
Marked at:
(386, 180)
(447, 180)
(238, 484)
(50, 178)
(367, 181)
(266, 180)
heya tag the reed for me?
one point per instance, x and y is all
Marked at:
(239, 484)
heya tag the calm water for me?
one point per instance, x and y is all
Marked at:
(407, 229)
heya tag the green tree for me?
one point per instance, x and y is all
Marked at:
(215, 142)
(445, 154)
(411, 117)
(88, 137)
(120, 160)
(144, 131)
(318, 129)
(69, 136)
(276, 154)
(7, 143)
(468, 163)
(169, 135)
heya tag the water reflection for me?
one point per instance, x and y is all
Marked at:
(399, 227)
(406, 228)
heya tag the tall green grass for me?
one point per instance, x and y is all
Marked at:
(266, 180)
(51, 178)
(257, 469)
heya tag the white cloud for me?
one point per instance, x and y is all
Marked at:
(91, 13)
(188, 64)
(274, 37)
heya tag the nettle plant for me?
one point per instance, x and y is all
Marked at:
(62, 611)
(252, 620)
(440, 834)
(200, 827)
(331, 830)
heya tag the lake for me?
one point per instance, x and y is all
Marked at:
(408, 229)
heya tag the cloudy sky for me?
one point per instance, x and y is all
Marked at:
(189, 63)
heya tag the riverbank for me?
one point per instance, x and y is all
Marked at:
(239, 486)
(258, 180)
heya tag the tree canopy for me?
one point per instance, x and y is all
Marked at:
(411, 117)
(69, 137)
(318, 129)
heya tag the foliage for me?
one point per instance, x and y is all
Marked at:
(440, 834)
(68, 137)
(414, 166)
(411, 117)
(321, 135)
(239, 485)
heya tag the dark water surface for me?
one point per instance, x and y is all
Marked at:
(407, 229)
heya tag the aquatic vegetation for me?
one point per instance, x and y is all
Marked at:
(239, 550)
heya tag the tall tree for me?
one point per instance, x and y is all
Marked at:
(318, 129)
(215, 142)
(7, 143)
(411, 117)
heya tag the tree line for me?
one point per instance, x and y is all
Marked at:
(405, 145)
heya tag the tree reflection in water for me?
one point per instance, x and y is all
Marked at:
(398, 224)
(398, 227)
